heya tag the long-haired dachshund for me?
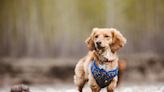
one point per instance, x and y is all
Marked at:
(100, 66)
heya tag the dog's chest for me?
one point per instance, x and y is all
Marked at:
(109, 55)
(103, 66)
(102, 75)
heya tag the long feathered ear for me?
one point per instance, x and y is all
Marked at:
(118, 40)
(89, 41)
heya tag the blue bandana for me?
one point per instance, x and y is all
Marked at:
(102, 77)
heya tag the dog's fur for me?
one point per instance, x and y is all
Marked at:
(103, 43)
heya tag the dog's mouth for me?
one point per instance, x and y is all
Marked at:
(105, 60)
(99, 47)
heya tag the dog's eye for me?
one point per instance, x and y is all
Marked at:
(96, 36)
(106, 36)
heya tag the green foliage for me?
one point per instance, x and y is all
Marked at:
(130, 9)
(47, 26)
(93, 11)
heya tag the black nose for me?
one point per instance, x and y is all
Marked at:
(98, 43)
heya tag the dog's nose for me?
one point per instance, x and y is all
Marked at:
(98, 43)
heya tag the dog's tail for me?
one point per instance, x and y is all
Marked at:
(122, 67)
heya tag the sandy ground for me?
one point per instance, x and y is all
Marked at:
(71, 88)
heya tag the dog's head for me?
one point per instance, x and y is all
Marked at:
(103, 38)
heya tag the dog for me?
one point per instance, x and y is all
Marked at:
(103, 44)
(122, 65)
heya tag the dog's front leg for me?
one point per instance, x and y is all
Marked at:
(111, 87)
(93, 85)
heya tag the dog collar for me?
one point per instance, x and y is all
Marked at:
(102, 77)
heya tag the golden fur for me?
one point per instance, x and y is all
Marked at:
(103, 43)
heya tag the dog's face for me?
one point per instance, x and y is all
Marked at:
(103, 38)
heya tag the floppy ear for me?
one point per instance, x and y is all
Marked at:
(118, 40)
(89, 41)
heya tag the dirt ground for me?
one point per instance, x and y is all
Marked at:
(71, 88)
(147, 70)
(47, 71)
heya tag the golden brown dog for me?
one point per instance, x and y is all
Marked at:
(103, 44)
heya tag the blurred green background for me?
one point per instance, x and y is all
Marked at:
(58, 28)
(36, 35)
